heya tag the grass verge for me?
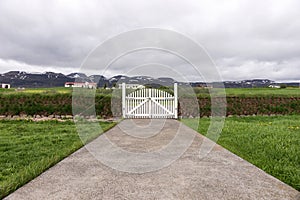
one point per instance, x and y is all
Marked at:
(28, 148)
(270, 143)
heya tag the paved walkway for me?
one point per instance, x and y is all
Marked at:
(219, 175)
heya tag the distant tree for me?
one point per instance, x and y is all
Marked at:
(105, 86)
(283, 86)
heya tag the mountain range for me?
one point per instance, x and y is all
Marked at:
(52, 79)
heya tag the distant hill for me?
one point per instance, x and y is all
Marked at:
(23, 79)
(51, 79)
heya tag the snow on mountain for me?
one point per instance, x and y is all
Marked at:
(52, 79)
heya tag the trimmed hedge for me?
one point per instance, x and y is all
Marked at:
(61, 104)
(41, 104)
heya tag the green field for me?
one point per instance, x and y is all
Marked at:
(270, 143)
(28, 148)
(254, 92)
(47, 91)
(251, 92)
(54, 90)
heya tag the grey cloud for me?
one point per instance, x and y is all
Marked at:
(246, 36)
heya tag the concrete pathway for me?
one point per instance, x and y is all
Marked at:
(219, 175)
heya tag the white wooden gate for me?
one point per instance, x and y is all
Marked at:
(149, 103)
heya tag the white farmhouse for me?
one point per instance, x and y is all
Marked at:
(81, 85)
(274, 86)
(132, 86)
(5, 85)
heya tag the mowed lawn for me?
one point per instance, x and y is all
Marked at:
(28, 148)
(270, 143)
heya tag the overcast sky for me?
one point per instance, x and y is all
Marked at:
(245, 39)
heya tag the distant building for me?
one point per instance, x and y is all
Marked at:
(132, 86)
(81, 85)
(274, 86)
(5, 85)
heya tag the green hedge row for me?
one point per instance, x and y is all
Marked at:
(252, 105)
(61, 104)
(58, 104)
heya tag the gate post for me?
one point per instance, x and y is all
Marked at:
(149, 101)
(123, 100)
(175, 101)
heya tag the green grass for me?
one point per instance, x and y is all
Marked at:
(244, 92)
(54, 90)
(270, 143)
(47, 91)
(251, 92)
(254, 92)
(28, 148)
